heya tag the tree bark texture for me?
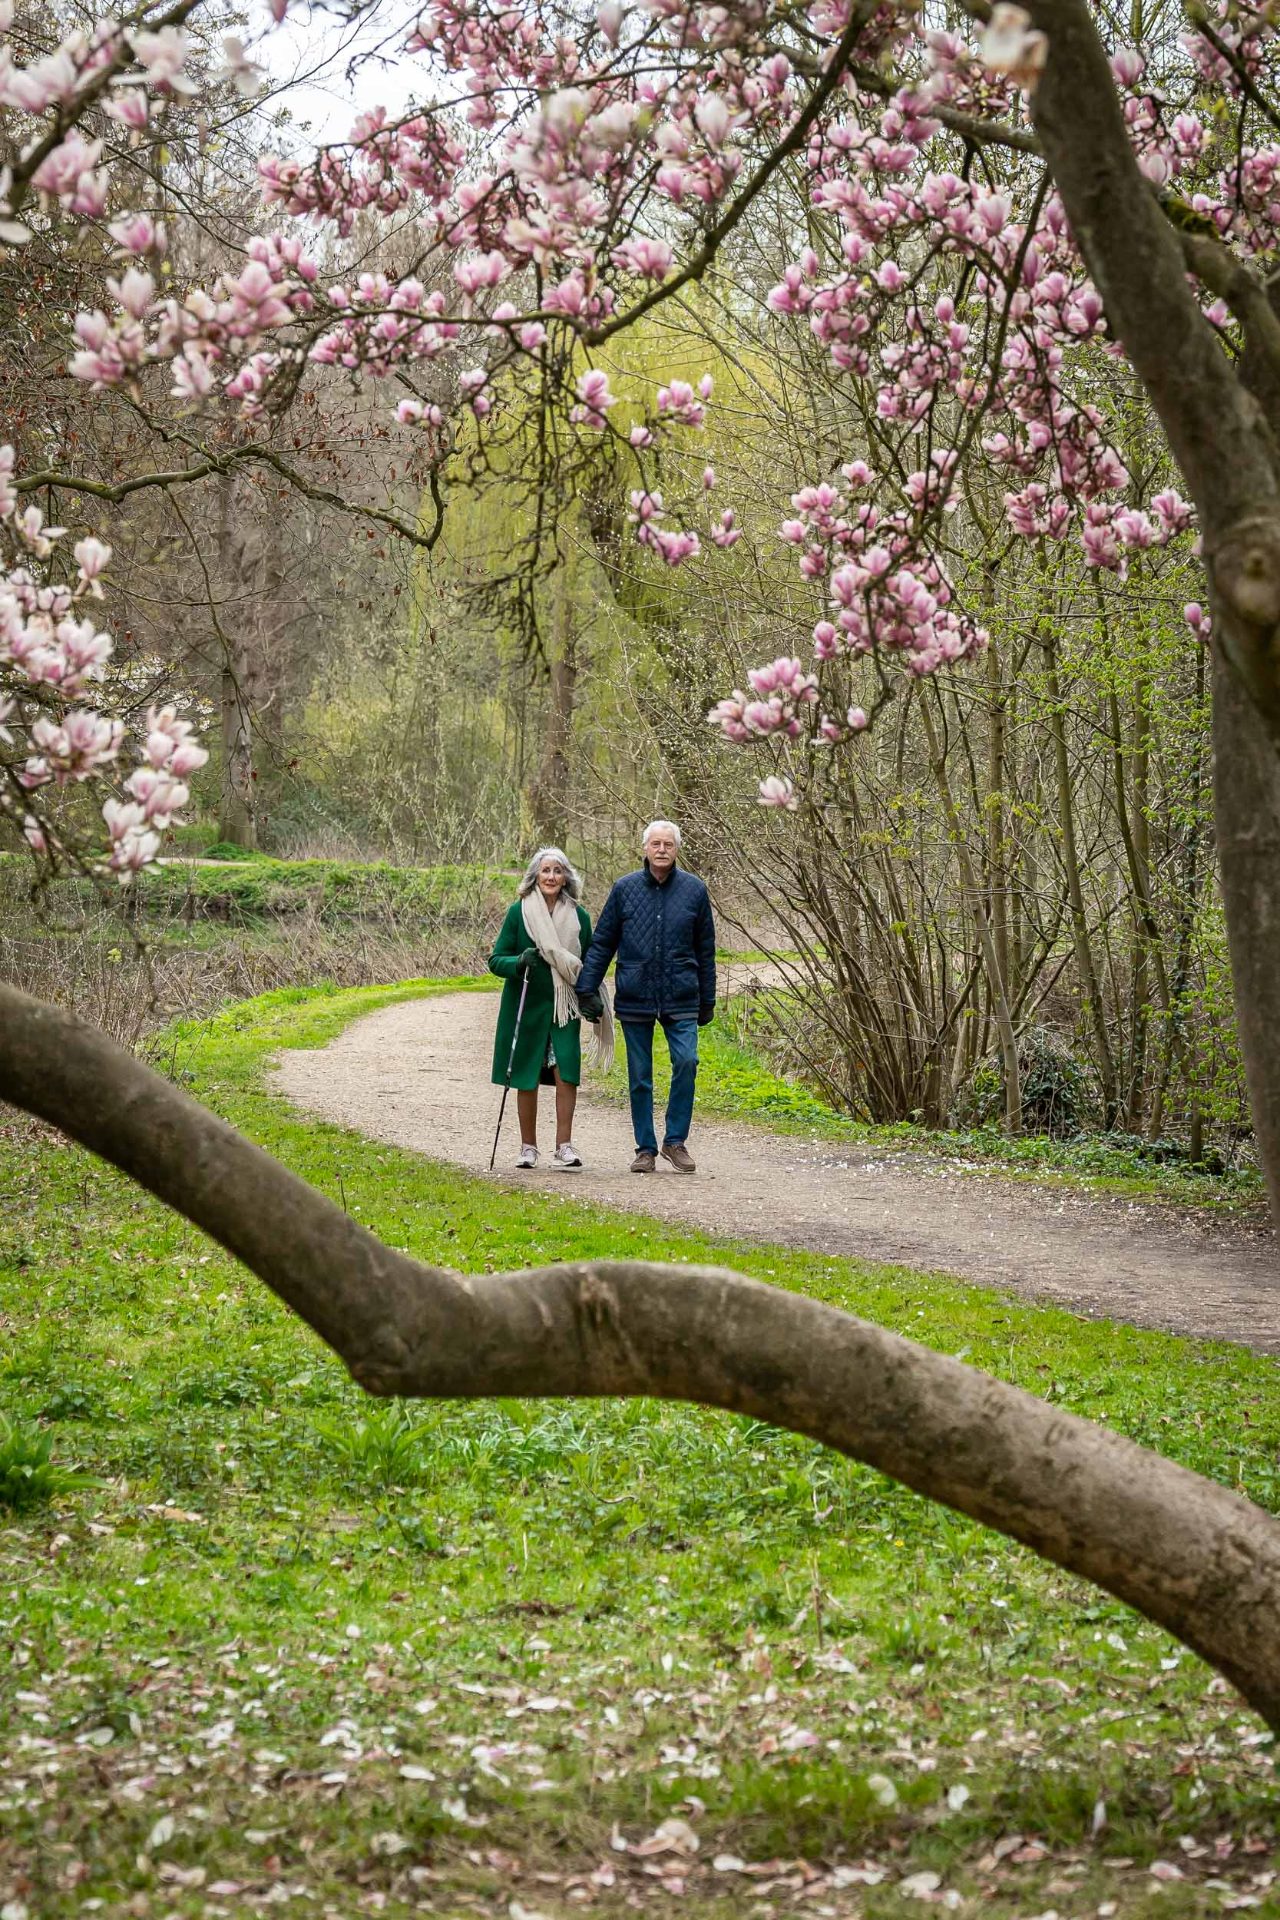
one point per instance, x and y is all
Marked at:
(549, 793)
(1246, 804)
(237, 815)
(1191, 1555)
(1222, 426)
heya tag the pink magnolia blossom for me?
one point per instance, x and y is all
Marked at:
(778, 791)
(1012, 46)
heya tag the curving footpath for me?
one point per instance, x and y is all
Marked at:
(416, 1075)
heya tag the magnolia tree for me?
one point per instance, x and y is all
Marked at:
(1004, 229)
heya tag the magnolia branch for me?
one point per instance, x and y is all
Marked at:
(794, 139)
(1191, 1555)
(28, 162)
(1217, 268)
(115, 491)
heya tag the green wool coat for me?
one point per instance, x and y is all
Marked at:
(535, 1026)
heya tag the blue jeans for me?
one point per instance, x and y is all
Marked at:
(682, 1045)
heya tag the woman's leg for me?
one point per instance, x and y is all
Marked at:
(566, 1101)
(527, 1108)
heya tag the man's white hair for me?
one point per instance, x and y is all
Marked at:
(662, 826)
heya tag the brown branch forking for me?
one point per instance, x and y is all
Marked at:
(223, 462)
(1221, 437)
(1191, 1555)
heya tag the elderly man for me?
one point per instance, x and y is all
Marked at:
(659, 923)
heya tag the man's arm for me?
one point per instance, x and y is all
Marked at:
(704, 937)
(604, 944)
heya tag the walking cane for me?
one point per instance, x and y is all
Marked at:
(511, 1061)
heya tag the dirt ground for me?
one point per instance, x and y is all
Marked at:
(417, 1075)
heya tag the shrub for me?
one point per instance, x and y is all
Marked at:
(1059, 1097)
(29, 1476)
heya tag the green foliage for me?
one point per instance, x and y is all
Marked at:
(382, 1448)
(1059, 1091)
(228, 850)
(29, 1475)
(331, 889)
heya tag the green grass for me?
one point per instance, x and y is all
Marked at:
(255, 887)
(412, 1658)
(259, 888)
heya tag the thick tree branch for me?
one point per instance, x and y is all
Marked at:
(983, 133)
(1218, 269)
(1218, 433)
(1137, 261)
(1188, 1553)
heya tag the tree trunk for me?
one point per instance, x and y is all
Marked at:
(549, 793)
(995, 979)
(237, 821)
(1193, 1556)
(1219, 418)
(1246, 792)
(1086, 968)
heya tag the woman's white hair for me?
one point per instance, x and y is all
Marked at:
(572, 878)
(662, 826)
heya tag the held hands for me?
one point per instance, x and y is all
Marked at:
(706, 1015)
(591, 1007)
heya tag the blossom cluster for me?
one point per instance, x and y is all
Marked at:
(564, 178)
(52, 657)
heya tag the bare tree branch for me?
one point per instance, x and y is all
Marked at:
(221, 463)
(1190, 1554)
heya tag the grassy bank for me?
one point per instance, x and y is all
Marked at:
(288, 1645)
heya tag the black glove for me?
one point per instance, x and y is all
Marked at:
(528, 957)
(591, 1007)
(706, 1015)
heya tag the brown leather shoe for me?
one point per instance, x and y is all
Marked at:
(643, 1163)
(677, 1155)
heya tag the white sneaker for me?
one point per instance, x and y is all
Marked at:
(528, 1159)
(566, 1155)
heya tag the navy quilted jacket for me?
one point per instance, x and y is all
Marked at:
(665, 939)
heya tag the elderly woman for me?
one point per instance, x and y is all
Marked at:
(545, 934)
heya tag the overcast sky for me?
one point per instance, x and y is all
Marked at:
(308, 60)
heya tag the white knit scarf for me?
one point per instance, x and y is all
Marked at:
(556, 934)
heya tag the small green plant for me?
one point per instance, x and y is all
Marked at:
(70, 1400)
(384, 1446)
(29, 1475)
(218, 1387)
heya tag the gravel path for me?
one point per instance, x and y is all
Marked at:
(417, 1075)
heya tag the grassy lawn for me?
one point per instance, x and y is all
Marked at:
(260, 888)
(284, 1646)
